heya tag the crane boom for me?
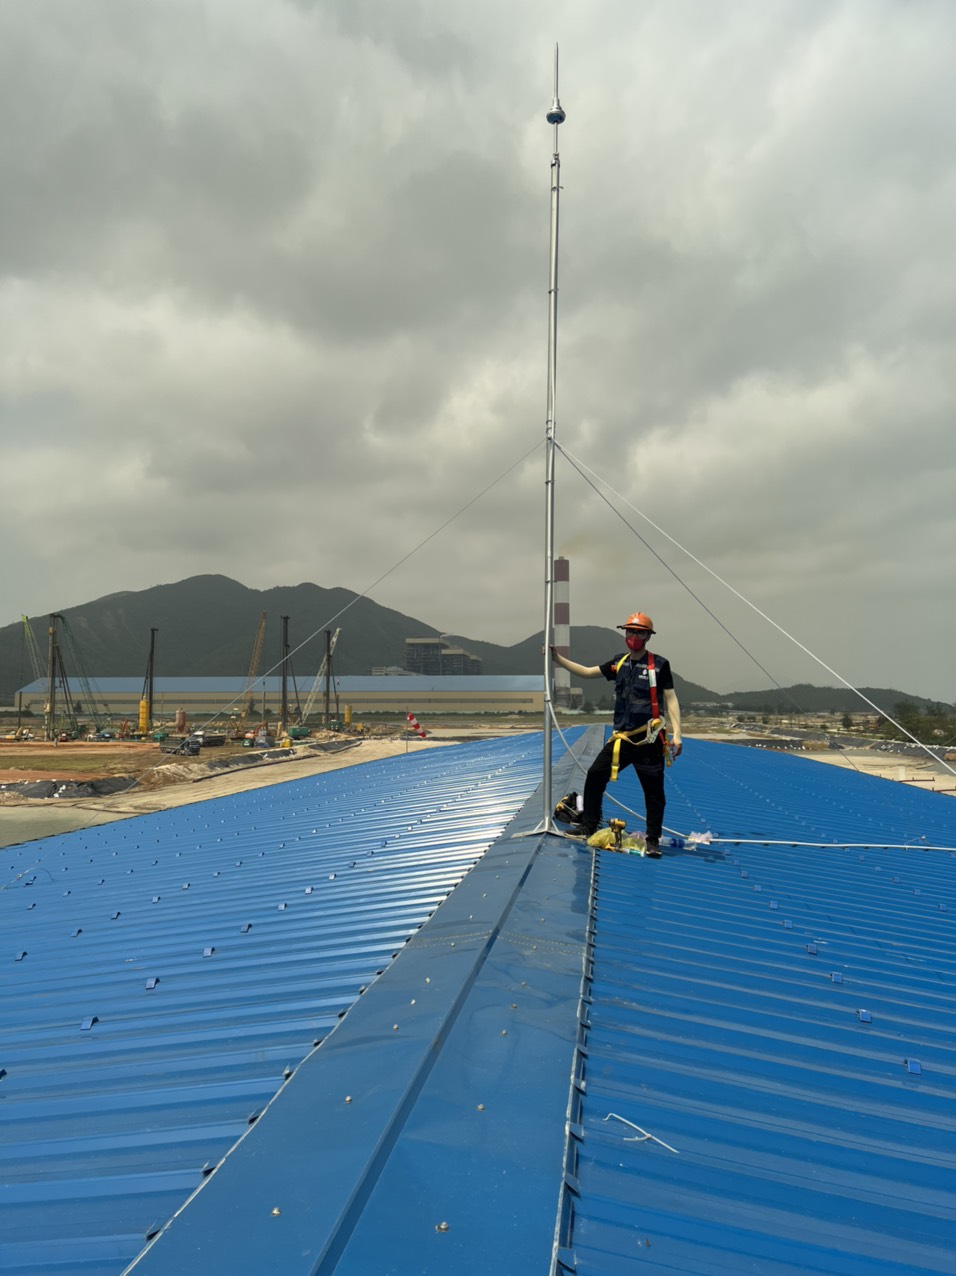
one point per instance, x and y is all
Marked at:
(90, 691)
(319, 678)
(33, 651)
(248, 699)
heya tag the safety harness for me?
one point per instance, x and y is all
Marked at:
(649, 730)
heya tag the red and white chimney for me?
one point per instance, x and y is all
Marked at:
(562, 628)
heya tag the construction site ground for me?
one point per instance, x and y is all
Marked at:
(165, 781)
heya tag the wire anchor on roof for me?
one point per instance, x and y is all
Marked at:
(643, 1133)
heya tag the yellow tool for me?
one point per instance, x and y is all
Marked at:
(617, 828)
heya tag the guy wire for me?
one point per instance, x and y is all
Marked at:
(581, 468)
(358, 597)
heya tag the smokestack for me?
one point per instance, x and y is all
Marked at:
(562, 629)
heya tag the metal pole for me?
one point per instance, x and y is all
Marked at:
(327, 721)
(284, 724)
(50, 724)
(555, 117)
(150, 668)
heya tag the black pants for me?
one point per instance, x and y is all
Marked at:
(648, 761)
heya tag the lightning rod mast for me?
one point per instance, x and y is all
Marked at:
(555, 117)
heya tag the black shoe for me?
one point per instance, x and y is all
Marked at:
(582, 831)
(652, 847)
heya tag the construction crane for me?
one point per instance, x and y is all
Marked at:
(33, 651)
(92, 694)
(321, 677)
(145, 722)
(65, 724)
(248, 698)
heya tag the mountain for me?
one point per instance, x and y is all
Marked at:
(207, 627)
(821, 700)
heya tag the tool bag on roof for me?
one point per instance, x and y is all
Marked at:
(567, 810)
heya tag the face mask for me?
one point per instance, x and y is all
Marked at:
(635, 642)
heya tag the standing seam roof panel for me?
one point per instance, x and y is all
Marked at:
(772, 1035)
(165, 974)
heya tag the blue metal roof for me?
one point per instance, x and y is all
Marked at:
(781, 1021)
(410, 683)
(455, 1118)
(165, 974)
(427, 1134)
(742, 794)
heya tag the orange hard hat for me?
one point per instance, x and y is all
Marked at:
(638, 621)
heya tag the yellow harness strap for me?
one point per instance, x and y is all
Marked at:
(651, 729)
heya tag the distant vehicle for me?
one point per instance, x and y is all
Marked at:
(189, 747)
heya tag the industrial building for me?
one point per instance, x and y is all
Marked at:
(119, 698)
(430, 656)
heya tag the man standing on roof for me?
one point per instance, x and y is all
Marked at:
(640, 733)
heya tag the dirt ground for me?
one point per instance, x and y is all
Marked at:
(932, 776)
(89, 760)
(158, 772)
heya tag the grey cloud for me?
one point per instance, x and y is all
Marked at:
(277, 270)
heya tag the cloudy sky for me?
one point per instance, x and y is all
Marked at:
(273, 303)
